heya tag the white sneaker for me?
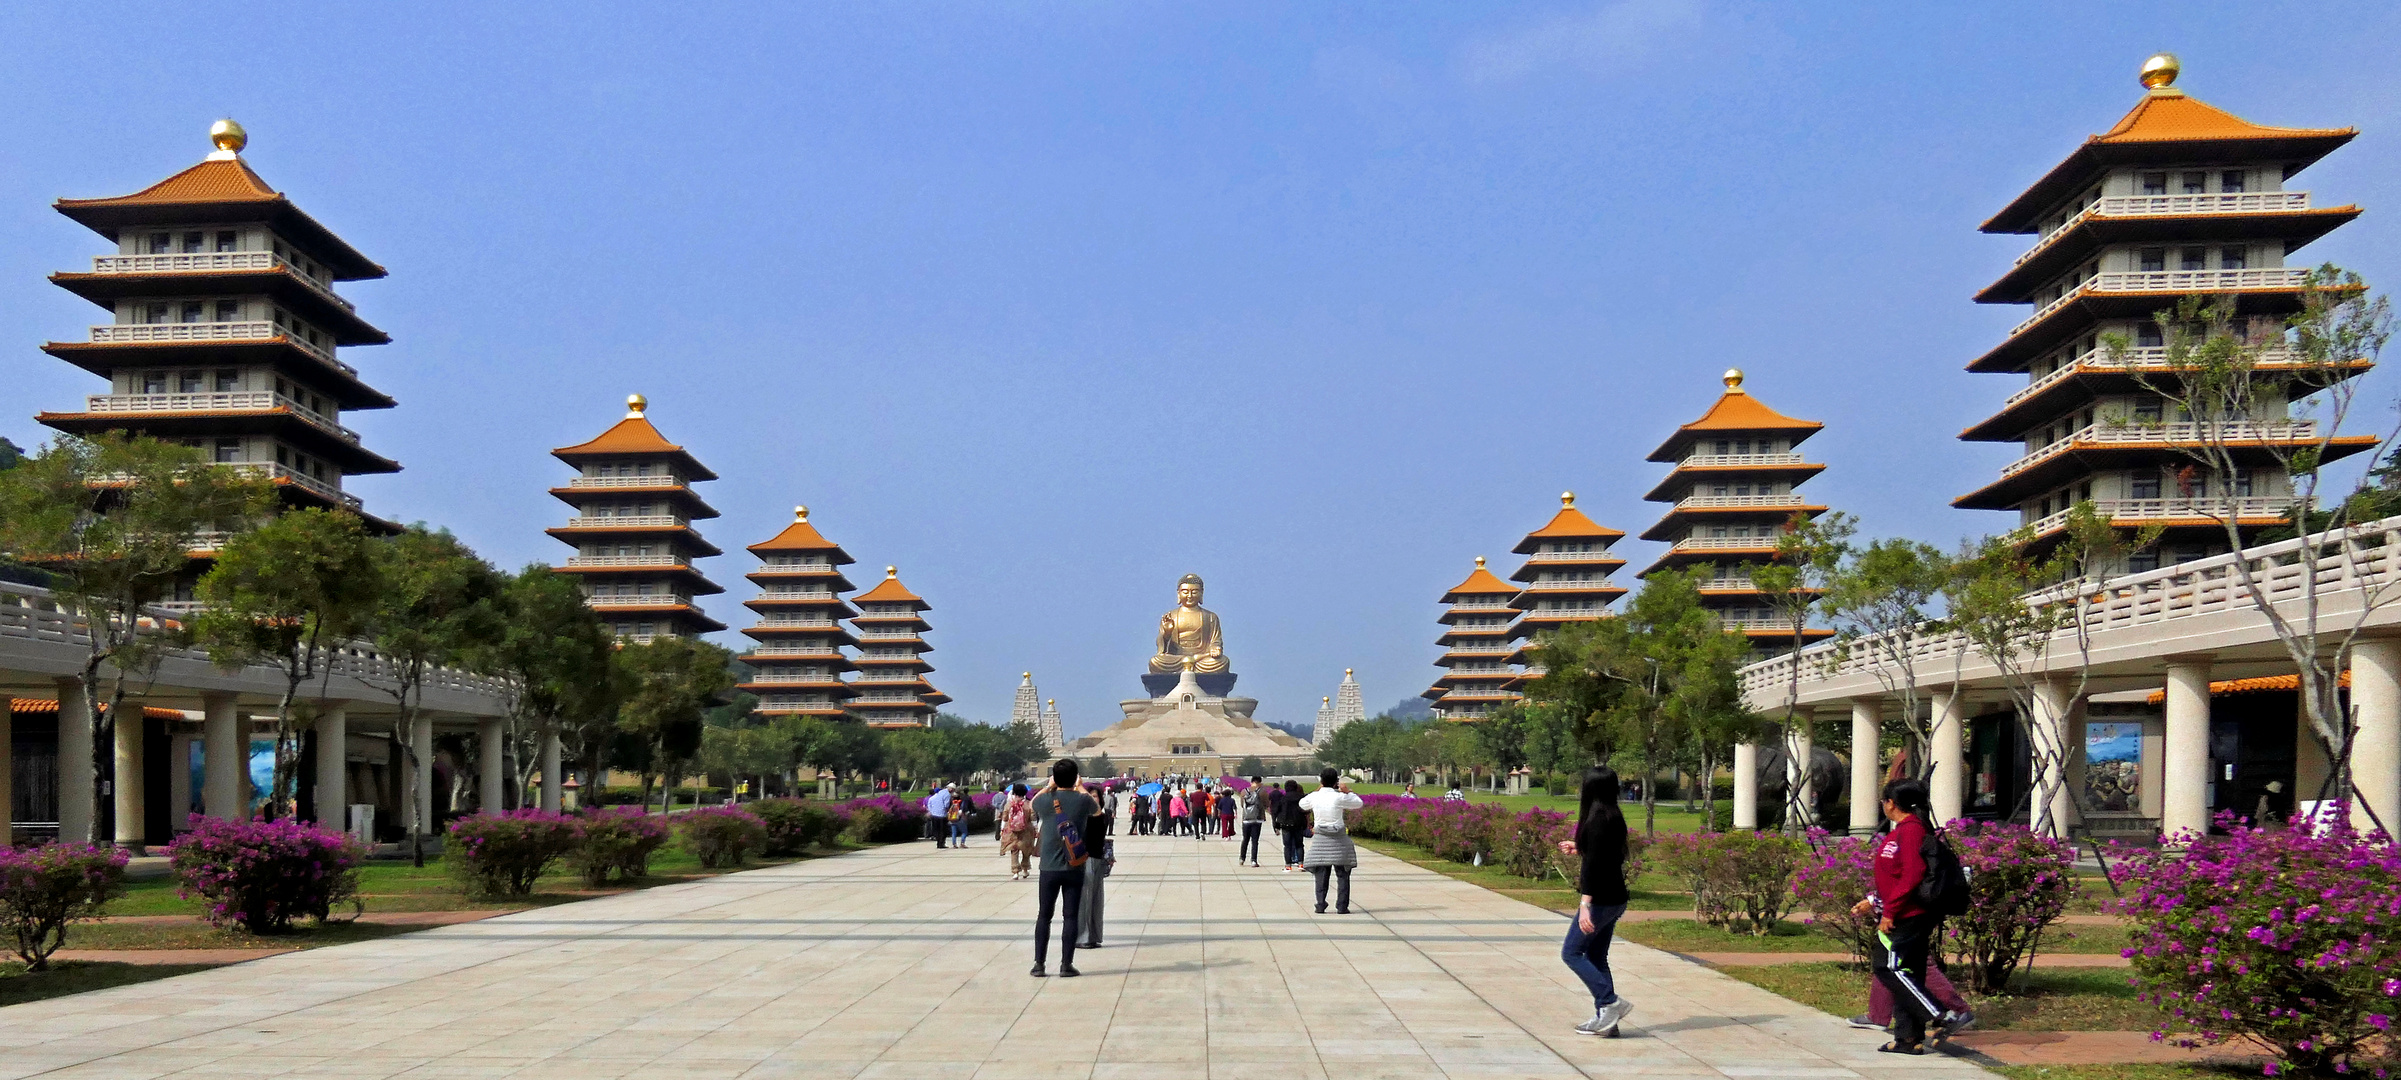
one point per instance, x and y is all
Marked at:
(1611, 1014)
(1592, 1026)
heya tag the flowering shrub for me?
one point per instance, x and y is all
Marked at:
(883, 819)
(2019, 884)
(43, 889)
(502, 854)
(1839, 873)
(1741, 877)
(2281, 937)
(260, 875)
(615, 844)
(1527, 844)
(721, 836)
(794, 826)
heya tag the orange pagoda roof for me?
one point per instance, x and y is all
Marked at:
(223, 187)
(1736, 411)
(1480, 582)
(2166, 126)
(802, 536)
(1568, 524)
(634, 435)
(891, 591)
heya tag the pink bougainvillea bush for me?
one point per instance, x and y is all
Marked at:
(260, 875)
(882, 819)
(44, 889)
(2019, 884)
(613, 845)
(1524, 843)
(1739, 879)
(795, 825)
(502, 854)
(2284, 938)
(721, 836)
(1838, 873)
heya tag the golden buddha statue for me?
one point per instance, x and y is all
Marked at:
(1189, 634)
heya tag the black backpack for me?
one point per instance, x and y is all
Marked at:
(1944, 889)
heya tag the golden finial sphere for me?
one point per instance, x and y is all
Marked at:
(1567, 500)
(800, 513)
(228, 137)
(634, 404)
(1327, 700)
(1028, 674)
(1479, 562)
(1733, 377)
(2161, 70)
(1346, 673)
(892, 571)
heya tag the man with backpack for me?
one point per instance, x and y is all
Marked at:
(1064, 814)
(1918, 881)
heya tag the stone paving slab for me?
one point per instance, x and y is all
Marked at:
(911, 962)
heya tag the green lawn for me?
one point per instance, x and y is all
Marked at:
(2123, 1072)
(2082, 999)
(1673, 818)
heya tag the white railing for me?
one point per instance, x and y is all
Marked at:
(1569, 586)
(628, 560)
(1482, 605)
(204, 402)
(1544, 614)
(1729, 585)
(120, 333)
(2239, 431)
(2248, 508)
(818, 653)
(1474, 650)
(797, 594)
(1726, 543)
(795, 568)
(2139, 360)
(1601, 555)
(288, 474)
(887, 635)
(654, 600)
(799, 624)
(886, 699)
(1785, 501)
(629, 521)
(625, 482)
(2363, 562)
(2171, 281)
(2238, 202)
(791, 677)
(212, 262)
(1722, 461)
(1753, 622)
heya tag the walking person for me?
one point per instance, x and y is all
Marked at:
(1331, 852)
(1000, 817)
(1227, 803)
(1905, 928)
(1096, 874)
(1024, 837)
(960, 804)
(1600, 841)
(1293, 823)
(1254, 815)
(937, 815)
(1199, 805)
(1175, 813)
(1063, 814)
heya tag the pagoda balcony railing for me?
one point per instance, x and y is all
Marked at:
(212, 261)
(257, 330)
(1481, 650)
(626, 482)
(2178, 282)
(1725, 543)
(887, 635)
(1482, 605)
(2139, 360)
(1587, 585)
(653, 600)
(290, 475)
(630, 521)
(1753, 622)
(2283, 431)
(629, 560)
(1729, 584)
(1596, 555)
(2244, 508)
(887, 699)
(795, 677)
(1547, 614)
(796, 568)
(2224, 202)
(820, 653)
(797, 594)
(1787, 500)
(204, 402)
(1723, 461)
(800, 624)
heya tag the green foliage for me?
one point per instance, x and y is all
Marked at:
(45, 889)
(564, 663)
(439, 607)
(794, 826)
(670, 683)
(614, 845)
(502, 854)
(1737, 878)
(721, 836)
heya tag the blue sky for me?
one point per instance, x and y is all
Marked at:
(1051, 304)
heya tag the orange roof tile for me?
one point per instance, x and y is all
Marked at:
(802, 536)
(2173, 116)
(890, 591)
(2252, 685)
(1735, 410)
(1568, 524)
(1481, 581)
(49, 705)
(221, 181)
(633, 435)
(212, 181)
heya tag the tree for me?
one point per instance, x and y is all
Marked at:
(1103, 767)
(670, 684)
(1809, 554)
(289, 594)
(563, 667)
(439, 607)
(1880, 601)
(2232, 385)
(114, 522)
(11, 455)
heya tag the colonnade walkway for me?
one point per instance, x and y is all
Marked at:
(911, 962)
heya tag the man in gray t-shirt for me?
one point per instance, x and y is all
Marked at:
(1060, 801)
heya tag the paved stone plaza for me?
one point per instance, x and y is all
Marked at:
(911, 962)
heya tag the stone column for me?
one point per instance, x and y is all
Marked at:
(2048, 774)
(1746, 785)
(132, 804)
(1799, 789)
(222, 757)
(179, 783)
(2376, 743)
(1947, 786)
(1867, 755)
(552, 775)
(75, 809)
(2184, 785)
(421, 778)
(489, 748)
(333, 768)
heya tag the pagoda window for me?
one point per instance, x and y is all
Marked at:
(2155, 183)
(283, 456)
(2142, 561)
(2234, 258)
(2149, 336)
(228, 380)
(2154, 260)
(229, 240)
(192, 242)
(2242, 483)
(228, 450)
(194, 310)
(2196, 183)
(1724, 447)
(2143, 486)
(190, 382)
(229, 310)
(161, 243)
(154, 382)
(2193, 258)
(2232, 181)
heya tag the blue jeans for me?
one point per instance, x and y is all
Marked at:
(1588, 954)
(958, 832)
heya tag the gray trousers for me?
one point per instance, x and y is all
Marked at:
(1095, 873)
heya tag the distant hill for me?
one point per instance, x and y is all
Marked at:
(1304, 734)
(1412, 708)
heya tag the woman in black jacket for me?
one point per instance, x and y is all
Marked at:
(1601, 840)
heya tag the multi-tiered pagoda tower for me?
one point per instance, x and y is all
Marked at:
(1732, 491)
(632, 530)
(2179, 199)
(1350, 706)
(1476, 648)
(1566, 576)
(1054, 730)
(223, 328)
(798, 659)
(1324, 728)
(891, 687)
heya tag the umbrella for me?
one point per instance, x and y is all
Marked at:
(1149, 789)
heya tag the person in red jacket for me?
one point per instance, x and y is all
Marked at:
(1905, 929)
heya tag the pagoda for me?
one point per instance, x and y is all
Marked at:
(1027, 708)
(2178, 199)
(891, 688)
(1325, 722)
(1476, 648)
(1732, 494)
(798, 661)
(632, 530)
(223, 329)
(1566, 576)
(1054, 732)
(1350, 706)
